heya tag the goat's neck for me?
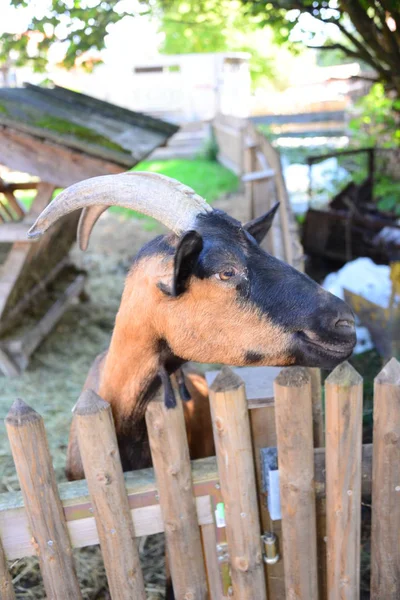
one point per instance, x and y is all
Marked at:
(138, 361)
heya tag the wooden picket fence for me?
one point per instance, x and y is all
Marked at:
(220, 538)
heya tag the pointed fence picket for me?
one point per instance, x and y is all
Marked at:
(214, 510)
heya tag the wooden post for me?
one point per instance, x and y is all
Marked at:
(6, 586)
(35, 471)
(171, 462)
(343, 481)
(294, 428)
(319, 442)
(385, 548)
(238, 484)
(102, 465)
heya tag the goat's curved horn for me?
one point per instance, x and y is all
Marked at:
(87, 220)
(173, 204)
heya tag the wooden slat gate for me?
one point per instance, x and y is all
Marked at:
(213, 511)
(247, 152)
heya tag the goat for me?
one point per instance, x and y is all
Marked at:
(207, 292)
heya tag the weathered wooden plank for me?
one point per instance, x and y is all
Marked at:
(51, 162)
(20, 251)
(7, 366)
(209, 540)
(13, 202)
(238, 484)
(6, 210)
(310, 117)
(40, 288)
(104, 476)
(263, 435)
(49, 533)
(13, 232)
(145, 510)
(258, 176)
(385, 547)
(170, 455)
(31, 341)
(13, 187)
(296, 477)
(6, 586)
(343, 390)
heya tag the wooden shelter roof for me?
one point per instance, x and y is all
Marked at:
(82, 123)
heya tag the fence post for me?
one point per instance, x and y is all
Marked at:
(319, 442)
(43, 507)
(294, 428)
(6, 586)
(343, 481)
(232, 437)
(102, 465)
(171, 462)
(385, 548)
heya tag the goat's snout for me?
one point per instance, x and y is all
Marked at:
(330, 334)
(339, 319)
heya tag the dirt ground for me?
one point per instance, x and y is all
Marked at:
(53, 381)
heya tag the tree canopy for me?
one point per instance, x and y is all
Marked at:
(364, 30)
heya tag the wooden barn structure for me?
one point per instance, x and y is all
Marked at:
(59, 137)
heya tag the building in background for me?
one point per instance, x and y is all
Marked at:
(182, 88)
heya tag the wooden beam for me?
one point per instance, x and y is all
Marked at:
(142, 495)
(7, 365)
(14, 204)
(51, 162)
(15, 261)
(14, 232)
(14, 314)
(32, 340)
(13, 187)
(258, 176)
(21, 348)
(6, 586)
(6, 210)
(143, 502)
(310, 117)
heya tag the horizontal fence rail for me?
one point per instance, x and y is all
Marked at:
(214, 511)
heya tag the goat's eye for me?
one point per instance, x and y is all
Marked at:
(226, 274)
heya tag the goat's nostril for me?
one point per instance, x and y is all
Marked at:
(345, 324)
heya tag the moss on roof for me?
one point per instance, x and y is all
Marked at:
(79, 131)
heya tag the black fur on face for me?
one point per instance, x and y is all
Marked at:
(320, 325)
(314, 327)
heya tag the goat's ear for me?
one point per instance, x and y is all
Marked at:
(259, 227)
(186, 255)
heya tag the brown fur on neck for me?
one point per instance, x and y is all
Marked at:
(137, 351)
